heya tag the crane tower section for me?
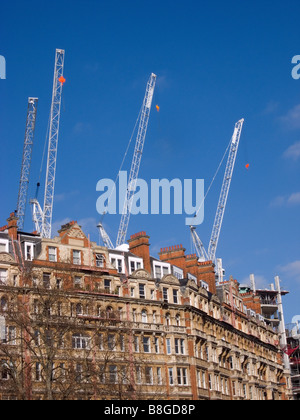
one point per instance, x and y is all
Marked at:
(26, 161)
(137, 156)
(42, 218)
(225, 190)
(53, 142)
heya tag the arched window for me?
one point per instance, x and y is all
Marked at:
(144, 316)
(177, 320)
(78, 309)
(168, 319)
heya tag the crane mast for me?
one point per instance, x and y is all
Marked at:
(26, 161)
(42, 218)
(225, 190)
(135, 166)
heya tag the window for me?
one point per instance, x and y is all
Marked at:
(79, 370)
(99, 260)
(154, 317)
(117, 263)
(3, 304)
(146, 344)
(182, 350)
(142, 291)
(165, 294)
(181, 376)
(156, 345)
(29, 254)
(3, 276)
(179, 346)
(76, 257)
(111, 342)
(144, 316)
(136, 344)
(138, 374)
(132, 292)
(46, 280)
(4, 371)
(4, 245)
(157, 271)
(38, 372)
(152, 294)
(171, 377)
(159, 377)
(149, 375)
(77, 282)
(168, 346)
(165, 271)
(113, 374)
(122, 343)
(11, 339)
(107, 285)
(78, 309)
(134, 264)
(52, 254)
(79, 341)
(175, 296)
(134, 315)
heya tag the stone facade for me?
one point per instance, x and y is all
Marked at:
(80, 321)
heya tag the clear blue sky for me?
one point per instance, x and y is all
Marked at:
(216, 62)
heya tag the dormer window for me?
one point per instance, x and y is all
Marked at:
(29, 251)
(3, 245)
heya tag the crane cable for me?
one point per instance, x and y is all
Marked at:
(43, 158)
(125, 155)
(215, 175)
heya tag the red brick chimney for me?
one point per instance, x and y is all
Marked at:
(139, 246)
(174, 255)
(13, 226)
(202, 270)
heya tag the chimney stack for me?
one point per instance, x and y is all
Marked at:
(13, 226)
(139, 246)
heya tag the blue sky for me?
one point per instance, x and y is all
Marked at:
(216, 62)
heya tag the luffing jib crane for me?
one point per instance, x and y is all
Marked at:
(135, 166)
(42, 218)
(202, 254)
(225, 190)
(105, 238)
(211, 254)
(26, 161)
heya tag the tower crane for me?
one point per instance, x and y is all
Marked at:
(137, 156)
(42, 218)
(26, 161)
(211, 254)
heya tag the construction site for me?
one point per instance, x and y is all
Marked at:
(108, 320)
